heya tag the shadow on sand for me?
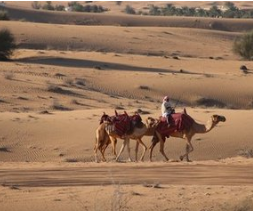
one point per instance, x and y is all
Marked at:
(81, 63)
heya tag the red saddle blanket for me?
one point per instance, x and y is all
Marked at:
(122, 123)
(178, 122)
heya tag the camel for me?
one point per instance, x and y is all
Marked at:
(106, 135)
(186, 134)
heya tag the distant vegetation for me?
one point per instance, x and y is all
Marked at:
(129, 10)
(4, 15)
(87, 8)
(72, 6)
(229, 10)
(7, 44)
(243, 46)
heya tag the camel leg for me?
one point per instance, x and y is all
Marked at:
(103, 151)
(136, 150)
(162, 142)
(144, 150)
(128, 150)
(155, 140)
(113, 141)
(189, 149)
(125, 142)
(96, 153)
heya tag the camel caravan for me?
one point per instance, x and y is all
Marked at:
(170, 124)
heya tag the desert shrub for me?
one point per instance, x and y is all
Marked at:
(4, 15)
(59, 8)
(77, 7)
(36, 5)
(244, 205)
(9, 76)
(247, 153)
(129, 10)
(118, 3)
(7, 44)
(243, 46)
(231, 11)
(48, 6)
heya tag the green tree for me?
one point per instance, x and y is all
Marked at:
(154, 10)
(215, 11)
(243, 46)
(7, 44)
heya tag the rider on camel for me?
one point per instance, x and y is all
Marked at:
(167, 109)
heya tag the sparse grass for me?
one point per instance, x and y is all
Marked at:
(71, 160)
(247, 153)
(53, 88)
(4, 15)
(57, 106)
(119, 108)
(140, 111)
(245, 205)
(143, 87)
(68, 81)
(8, 76)
(4, 149)
(80, 81)
(243, 46)
(119, 199)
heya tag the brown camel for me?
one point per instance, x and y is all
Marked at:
(187, 134)
(106, 135)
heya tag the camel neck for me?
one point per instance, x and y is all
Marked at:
(204, 128)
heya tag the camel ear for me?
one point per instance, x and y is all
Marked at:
(215, 118)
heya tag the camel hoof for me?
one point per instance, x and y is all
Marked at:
(181, 158)
(189, 160)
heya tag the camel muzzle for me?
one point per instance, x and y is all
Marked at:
(222, 119)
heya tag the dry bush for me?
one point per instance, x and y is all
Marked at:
(9, 76)
(57, 106)
(243, 46)
(245, 205)
(247, 153)
(53, 88)
(7, 44)
(4, 15)
(68, 81)
(143, 87)
(80, 81)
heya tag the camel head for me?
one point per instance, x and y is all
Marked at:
(217, 118)
(151, 122)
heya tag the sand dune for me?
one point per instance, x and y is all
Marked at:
(70, 68)
(128, 20)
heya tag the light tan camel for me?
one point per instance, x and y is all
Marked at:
(186, 134)
(106, 135)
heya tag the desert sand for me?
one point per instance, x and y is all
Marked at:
(69, 68)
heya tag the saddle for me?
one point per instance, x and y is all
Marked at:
(122, 124)
(178, 123)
